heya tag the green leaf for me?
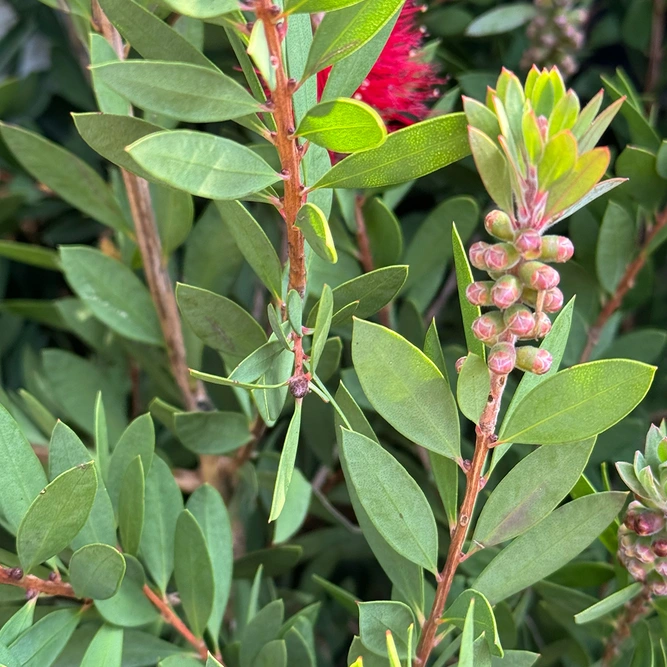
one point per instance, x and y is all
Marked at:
(343, 125)
(644, 654)
(254, 244)
(174, 213)
(208, 508)
(616, 246)
(549, 545)
(609, 604)
(202, 9)
(212, 662)
(386, 490)
(463, 278)
(286, 466)
(372, 291)
(473, 387)
(384, 233)
(96, 571)
(262, 629)
(559, 159)
(295, 510)
(516, 659)
(466, 653)
(220, 322)
(113, 293)
(164, 503)
(107, 100)
(193, 572)
(106, 648)
(131, 506)
(406, 388)
(258, 50)
(531, 491)
(322, 326)
(492, 166)
(138, 439)
(65, 452)
(315, 227)
(578, 402)
(259, 362)
(647, 186)
(502, 19)
(64, 173)
(212, 432)
(151, 37)
(314, 6)
(19, 622)
(272, 654)
(341, 33)
(378, 618)
(41, 644)
(203, 164)
(57, 515)
(21, 477)
(483, 618)
(178, 90)
(27, 253)
(409, 153)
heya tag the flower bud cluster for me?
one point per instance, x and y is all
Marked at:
(556, 35)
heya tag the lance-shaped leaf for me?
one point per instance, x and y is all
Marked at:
(501, 19)
(41, 644)
(343, 126)
(203, 164)
(27, 253)
(314, 6)
(609, 604)
(616, 245)
(473, 387)
(179, 90)
(559, 159)
(492, 166)
(106, 648)
(131, 504)
(412, 152)
(202, 9)
(386, 491)
(313, 223)
(406, 388)
(322, 326)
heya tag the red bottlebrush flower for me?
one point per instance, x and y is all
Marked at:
(400, 84)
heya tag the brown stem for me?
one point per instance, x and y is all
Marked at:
(656, 46)
(624, 286)
(634, 611)
(155, 268)
(485, 439)
(14, 576)
(365, 254)
(170, 616)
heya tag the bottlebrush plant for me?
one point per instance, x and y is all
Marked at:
(244, 423)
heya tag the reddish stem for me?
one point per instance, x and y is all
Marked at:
(29, 582)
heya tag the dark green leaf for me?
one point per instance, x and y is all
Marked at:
(286, 466)
(106, 648)
(322, 326)
(378, 618)
(473, 387)
(28, 253)
(484, 619)
(41, 644)
(609, 604)
(616, 246)
(96, 571)
(501, 19)
(131, 506)
(212, 432)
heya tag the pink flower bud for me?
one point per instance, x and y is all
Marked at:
(488, 327)
(659, 588)
(479, 293)
(542, 325)
(501, 256)
(529, 243)
(533, 360)
(498, 224)
(644, 553)
(506, 292)
(538, 276)
(459, 363)
(519, 320)
(553, 300)
(660, 548)
(476, 254)
(556, 249)
(502, 358)
(649, 523)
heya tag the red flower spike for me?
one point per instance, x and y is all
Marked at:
(400, 84)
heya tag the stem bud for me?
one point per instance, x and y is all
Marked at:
(479, 293)
(556, 249)
(501, 256)
(519, 320)
(502, 358)
(538, 276)
(533, 360)
(506, 292)
(488, 327)
(476, 254)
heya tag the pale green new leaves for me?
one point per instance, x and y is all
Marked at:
(315, 227)
(406, 388)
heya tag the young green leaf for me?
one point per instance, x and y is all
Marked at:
(406, 388)
(559, 158)
(106, 648)
(312, 222)
(385, 489)
(203, 164)
(113, 293)
(314, 6)
(57, 515)
(193, 572)
(473, 387)
(409, 153)
(343, 126)
(131, 506)
(578, 402)
(492, 166)
(609, 604)
(322, 326)
(531, 491)
(549, 545)
(286, 466)
(376, 618)
(96, 571)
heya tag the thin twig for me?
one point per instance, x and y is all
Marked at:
(14, 576)
(484, 441)
(448, 289)
(626, 283)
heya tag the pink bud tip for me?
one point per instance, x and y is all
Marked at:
(539, 276)
(500, 257)
(520, 321)
(479, 293)
(506, 292)
(476, 254)
(499, 224)
(533, 360)
(529, 243)
(553, 300)
(487, 327)
(557, 249)
(649, 523)
(502, 358)
(659, 588)
(660, 548)
(459, 363)
(542, 325)
(542, 362)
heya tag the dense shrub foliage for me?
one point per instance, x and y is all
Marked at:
(333, 333)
